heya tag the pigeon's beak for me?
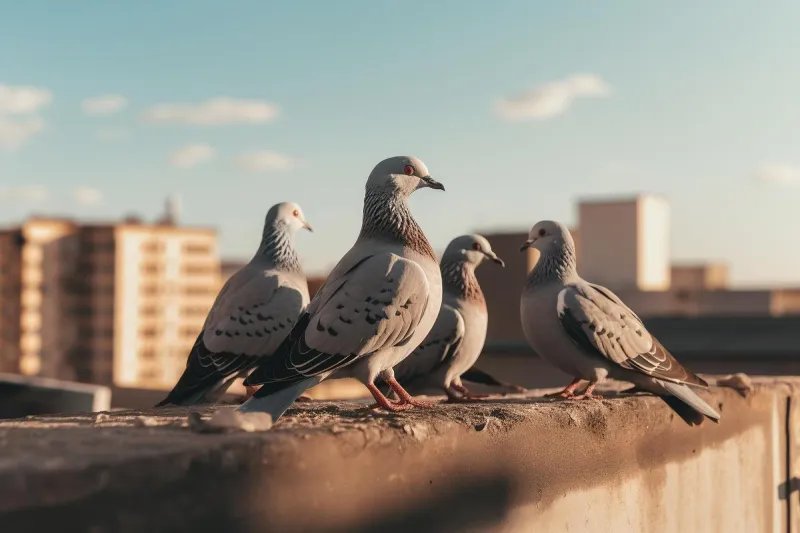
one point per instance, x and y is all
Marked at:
(307, 226)
(432, 183)
(527, 245)
(493, 257)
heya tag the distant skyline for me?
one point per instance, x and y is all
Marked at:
(520, 108)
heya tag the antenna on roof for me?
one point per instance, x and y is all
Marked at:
(172, 210)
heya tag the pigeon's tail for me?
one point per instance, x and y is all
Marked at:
(278, 402)
(197, 394)
(185, 399)
(690, 398)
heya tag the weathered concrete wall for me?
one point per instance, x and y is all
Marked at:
(27, 395)
(514, 464)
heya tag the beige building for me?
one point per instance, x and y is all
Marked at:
(624, 244)
(118, 304)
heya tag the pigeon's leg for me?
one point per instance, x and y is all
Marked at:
(465, 396)
(405, 397)
(587, 394)
(568, 392)
(304, 398)
(384, 402)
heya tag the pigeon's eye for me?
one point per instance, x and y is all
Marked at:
(296, 213)
(541, 232)
(408, 170)
(476, 246)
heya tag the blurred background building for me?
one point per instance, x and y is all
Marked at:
(116, 303)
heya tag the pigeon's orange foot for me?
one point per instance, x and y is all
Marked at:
(588, 394)
(568, 392)
(303, 399)
(405, 397)
(384, 402)
(461, 394)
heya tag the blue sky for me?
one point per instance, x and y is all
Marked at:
(692, 100)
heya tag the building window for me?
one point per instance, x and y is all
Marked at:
(198, 269)
(148, 332)
(197, 290)
(150, 290)
(152, 247)
(150, 268)
(195, 248)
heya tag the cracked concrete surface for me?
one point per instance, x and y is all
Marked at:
(338, 466)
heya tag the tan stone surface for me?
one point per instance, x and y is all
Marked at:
(509, 464)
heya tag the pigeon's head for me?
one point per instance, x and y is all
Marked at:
(547, 235)
(471, 248)
(288, 216)
(401, 175)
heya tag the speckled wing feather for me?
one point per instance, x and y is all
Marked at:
(598, 321)
(439, 346)
(248, 321)
(378, 303)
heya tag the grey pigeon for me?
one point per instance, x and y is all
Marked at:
(252, 314)
(586, 331)
(376, 306)
(457, 337)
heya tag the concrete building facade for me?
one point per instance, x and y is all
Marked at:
(117, 304)
(624, 244)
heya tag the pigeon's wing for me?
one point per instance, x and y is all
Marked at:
(376, 304)
(440, 346)
(245, 324)
(598, 321)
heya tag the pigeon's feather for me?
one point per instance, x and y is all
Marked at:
(600, 323)
(690, 398)
(277, 403)
(249, 319)
(251, 315)
(375, 305)
(441, 345)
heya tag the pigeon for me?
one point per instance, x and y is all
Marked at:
(585, 330)
(457, 337)
(377, 305)
(252, 314)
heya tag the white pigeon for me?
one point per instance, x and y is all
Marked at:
(252, 314)
(457, 337)
(376, 306)
(586, 331)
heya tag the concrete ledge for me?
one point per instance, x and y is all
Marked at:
(29, 395)
(512, 464)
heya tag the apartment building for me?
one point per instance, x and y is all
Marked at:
(117, 303)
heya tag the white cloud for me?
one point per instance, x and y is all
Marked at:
(113, 134)
(191, 155)
(214, 112)
(551, 99)
(31, 194)
(778, 173)
(23, 99)
(16, 132)
(87, 196)
(266, 161)
(20, 100)
(104, 105)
